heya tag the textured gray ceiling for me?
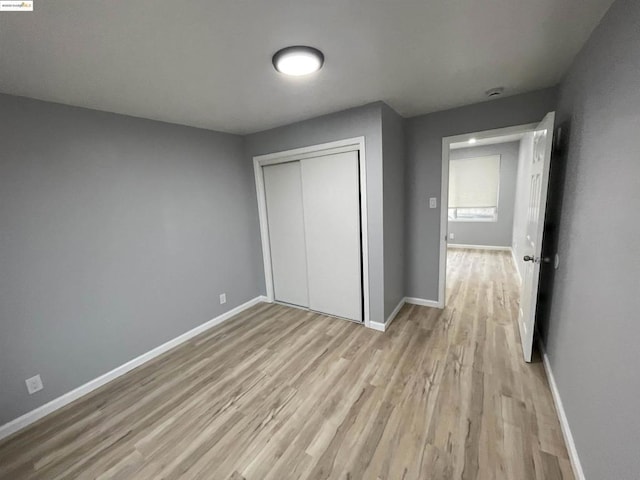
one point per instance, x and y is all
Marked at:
(208, 63)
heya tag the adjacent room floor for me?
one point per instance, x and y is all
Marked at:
(280, 393)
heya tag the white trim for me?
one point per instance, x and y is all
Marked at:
(423, 302)
(496, 132)
(57, 403)
(395, 312)
(379, 326)
(444, 223)
(330, 148)
(444, 191)
(346, 145)
(479, 247)
(562, 416)
(264, 235)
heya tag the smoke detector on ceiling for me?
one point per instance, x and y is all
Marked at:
(494, 92)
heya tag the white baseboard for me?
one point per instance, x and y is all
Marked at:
(423, 302)
(381, 327)
(44, 410)
(395, 312)
(377, 326)
(564, 423)
(478, 247)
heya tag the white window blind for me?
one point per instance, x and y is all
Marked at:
(474, 182)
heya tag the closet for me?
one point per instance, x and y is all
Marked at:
(313, 219)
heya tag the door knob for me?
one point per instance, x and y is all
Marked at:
(527, 258)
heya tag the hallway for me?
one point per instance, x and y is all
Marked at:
(508, 403)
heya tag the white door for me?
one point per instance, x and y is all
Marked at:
(331, 197)
(283, 195)
(539, 181)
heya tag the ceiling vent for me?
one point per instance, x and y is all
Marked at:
(494, 92)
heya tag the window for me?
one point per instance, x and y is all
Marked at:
(473, 214)
(473, 189)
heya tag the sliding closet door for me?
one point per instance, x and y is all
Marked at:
(283, 191)
(331, 197)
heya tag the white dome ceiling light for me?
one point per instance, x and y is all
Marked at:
(298, 60)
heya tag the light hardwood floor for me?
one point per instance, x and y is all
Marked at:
(280, 393)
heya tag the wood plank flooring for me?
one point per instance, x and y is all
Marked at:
(280, 393)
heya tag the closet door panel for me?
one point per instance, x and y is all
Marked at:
(331, 198)
(283, 191)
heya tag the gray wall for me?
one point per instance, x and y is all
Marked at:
(521, 203)
(362, 121)
(424, 171)
(117, 234)
(594, 328)
(393, 209)
(498, 233)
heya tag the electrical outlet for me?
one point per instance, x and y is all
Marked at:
(433, 202)
(452, 236)
(223, 298)
(34, 384)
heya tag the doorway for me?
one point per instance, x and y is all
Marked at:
(494, 188)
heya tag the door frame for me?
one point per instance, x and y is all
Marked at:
(444, 192)
(355, 144)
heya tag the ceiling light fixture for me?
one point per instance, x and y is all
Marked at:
(472, 141)
(298, 60)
